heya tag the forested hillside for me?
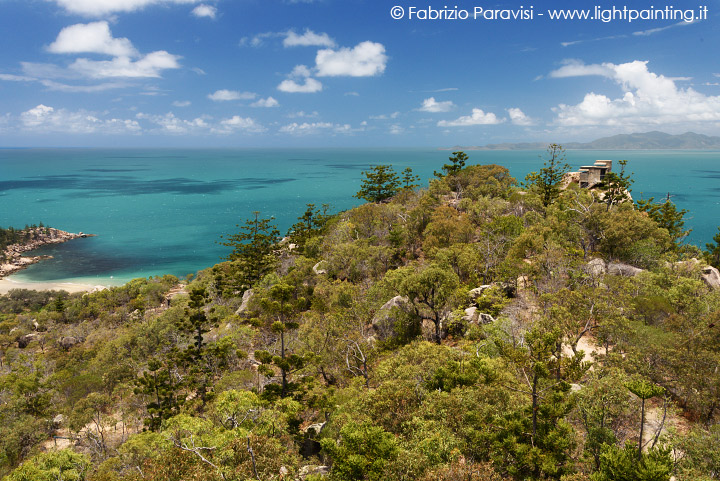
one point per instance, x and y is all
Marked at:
(477, 329)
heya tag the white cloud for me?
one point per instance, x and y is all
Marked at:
(92, 37)
(314, 128)
(98, 8)
(227, 95)
(310, 85)
(300, 71)
(478, 117)
(61, 87)
(352, 94)
(237, 123)
(366, 59)
(259, 39)
(432, 105)
(396, 129)
(652, 31)
(16, 78)
(648, 99)
(518, 117)
(48, 119)
(308, 39)
(151, 65)
(290, 39)
(205, 11)
(575, 68)
(181, 103)
(170, 124)
(266, 103)
(302, 114)
(393, 115)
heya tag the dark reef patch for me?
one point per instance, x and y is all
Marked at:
(99, 186)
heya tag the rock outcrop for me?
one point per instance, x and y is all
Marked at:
(68, 342)
(307, 471)
(318, 268)
(247, 296)
(626, 270)
(596, 268)
(711, 277)
(14, 260)
(384, 321)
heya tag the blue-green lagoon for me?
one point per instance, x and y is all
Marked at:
(162, 211)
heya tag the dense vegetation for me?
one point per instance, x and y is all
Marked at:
(436, 334)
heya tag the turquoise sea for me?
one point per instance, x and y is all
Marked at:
(162, 211)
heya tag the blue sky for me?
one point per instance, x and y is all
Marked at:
(284, 73)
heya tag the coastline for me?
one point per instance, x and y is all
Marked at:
(6, 285)
(14, 258)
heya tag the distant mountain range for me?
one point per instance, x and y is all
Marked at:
(641, 141)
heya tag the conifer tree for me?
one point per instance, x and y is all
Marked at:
(457, 163)
(282, 306)
(644, 390)
(380, 184)
(309, 224)
(195, 324)
(253, 249)
(712, 254)
(408, 179)
(616, 186)
(158, 383)
(667, 216)
(549, 179)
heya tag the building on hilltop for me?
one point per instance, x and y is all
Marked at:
(589, 176)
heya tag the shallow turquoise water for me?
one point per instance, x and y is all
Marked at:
(158, 211)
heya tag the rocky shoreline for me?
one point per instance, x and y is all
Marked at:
(14, 260)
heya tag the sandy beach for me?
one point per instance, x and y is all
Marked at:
(7, 284)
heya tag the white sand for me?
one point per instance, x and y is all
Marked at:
(7, 284)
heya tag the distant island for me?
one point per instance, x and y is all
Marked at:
(638, 141)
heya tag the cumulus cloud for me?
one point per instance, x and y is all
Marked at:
(228, 95)
(98, 8)
(48, 119)
(308, 39)
(366, 59)
(151, 65)
(203, 10)
(92, 37)
(266, 103)
(181, 103)
(648, 99)
(301, 71)
(518, 117)
(310, 85)
(97, 38)
(170, 124)
(477, 117)
(290, 39)
(307, 128)
(432, 105)
(238, 124)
